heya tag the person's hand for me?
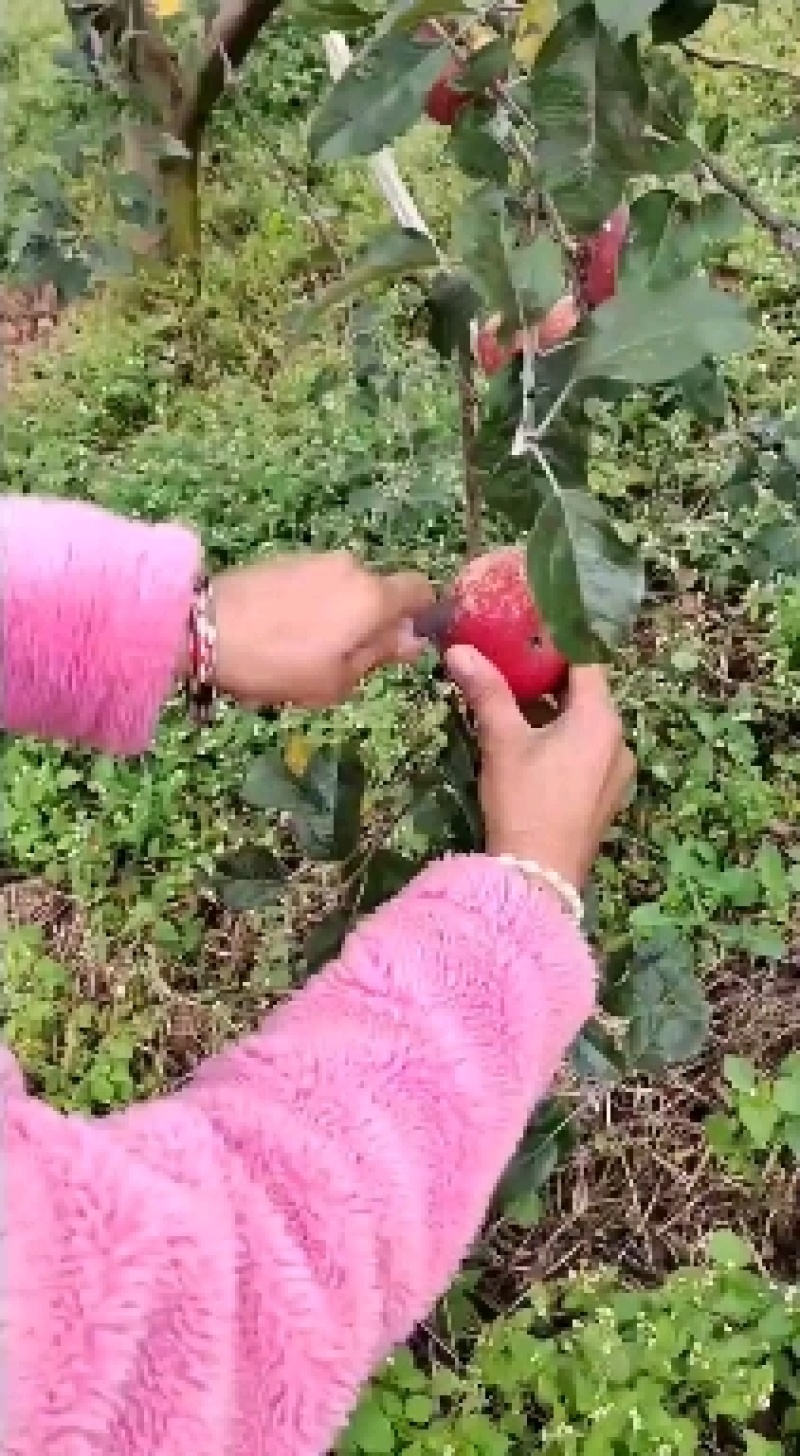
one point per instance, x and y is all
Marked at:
(548, 794)
(306, 629)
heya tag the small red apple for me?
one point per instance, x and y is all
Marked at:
(491, 608)
(556, 325)
(444, 101)
(599, 258)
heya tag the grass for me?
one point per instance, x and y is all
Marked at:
(134, 971)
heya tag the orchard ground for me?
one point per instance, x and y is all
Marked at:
(121, 969)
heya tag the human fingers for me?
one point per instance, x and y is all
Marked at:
(404, 596)
(498, 719)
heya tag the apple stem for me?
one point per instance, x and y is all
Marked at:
(473, 494)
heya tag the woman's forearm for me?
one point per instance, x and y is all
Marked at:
(93, 614)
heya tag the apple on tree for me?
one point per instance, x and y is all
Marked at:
(490, 607)
(598, 268)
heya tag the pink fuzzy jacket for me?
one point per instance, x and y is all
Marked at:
(215, 1273)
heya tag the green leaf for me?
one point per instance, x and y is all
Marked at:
(728, 1250)
(595, 1056)
(666, 1006)
(589, 103)
(334, 782)
(325, 941)
(452, 304)
(547, 1141)
(489, 63)
(787, 1095)
(369, 1430)
(645, 336)
(678, 18)
(418, 1409)
(268, 784)
(739, 1073)
(475, 150)
(625, 17)
(704, 393)
(537, 276)
(482, 237)
(387, 873)
(392, 253)
(587, 583)
(379, 97)
(252, 864)
(760, 1116)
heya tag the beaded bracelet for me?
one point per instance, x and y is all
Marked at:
(201, 679)
(567, 893)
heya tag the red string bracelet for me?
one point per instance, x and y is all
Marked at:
(201, 680)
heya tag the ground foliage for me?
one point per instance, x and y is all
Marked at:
(158, 404)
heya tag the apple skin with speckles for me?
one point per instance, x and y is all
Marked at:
(490, 608)
(599, 259)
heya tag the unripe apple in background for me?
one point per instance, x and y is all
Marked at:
(599, 259)
(490, 608)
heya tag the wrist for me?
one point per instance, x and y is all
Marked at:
(544, 877)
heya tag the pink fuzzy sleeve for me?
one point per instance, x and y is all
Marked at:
(219, 1271)
(92, 611)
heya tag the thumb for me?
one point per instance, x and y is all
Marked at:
(486, 692)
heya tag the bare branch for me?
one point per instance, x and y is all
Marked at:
(231, 36)
(785, 231)
(720, 62)
(473, 494)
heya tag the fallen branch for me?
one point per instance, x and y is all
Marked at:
(230, 38)
(720, 62)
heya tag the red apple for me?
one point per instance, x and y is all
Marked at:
(599, 258)
(556, 325)
(491, 609)
(444, 100)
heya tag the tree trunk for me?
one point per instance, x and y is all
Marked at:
(174, 185)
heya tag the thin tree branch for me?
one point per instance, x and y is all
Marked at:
(473, 495)
(785, 232)
(232, 35)
(719, 62)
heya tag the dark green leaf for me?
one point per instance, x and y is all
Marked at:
(387, 873)
(489, 63)
(590, 103)
(625, 17)
(476, 151)
(390, 254)
(586, 581)
(380, 96)
(333, 787)
(483, 239)
(537, 275)
(645, 335)
(675, 19)
(323, 943)
(249, 878)
(668, 238)
(269, 785)
(546, 1143)
(704, 393)
(595, 1056)
(452, 305)
(666, 1006)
